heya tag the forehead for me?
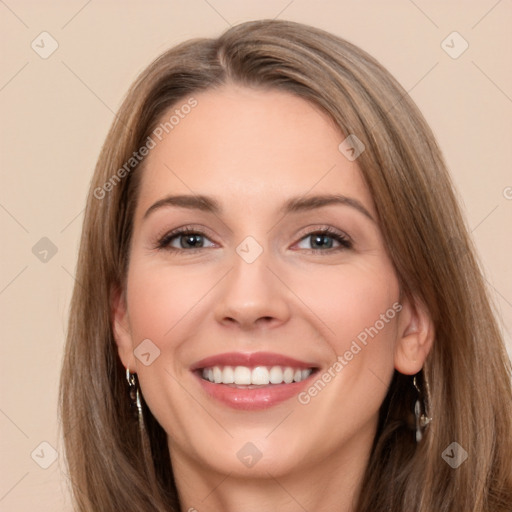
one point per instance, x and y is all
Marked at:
(249, 146)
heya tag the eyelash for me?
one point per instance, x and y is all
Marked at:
(163, 242)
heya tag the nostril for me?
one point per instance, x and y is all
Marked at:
(265, 320)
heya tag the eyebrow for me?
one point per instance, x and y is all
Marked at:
(293, 205)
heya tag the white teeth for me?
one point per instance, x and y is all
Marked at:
(276, 375)
(258, 376)
(217, 375)
(228, 375)
(242, 375)
(288, 375)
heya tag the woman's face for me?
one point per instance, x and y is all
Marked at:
(255, 274)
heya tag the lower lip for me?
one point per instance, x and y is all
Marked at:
(253, 399)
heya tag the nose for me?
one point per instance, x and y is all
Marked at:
(252, 296)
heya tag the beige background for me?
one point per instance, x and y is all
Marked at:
(56, 113)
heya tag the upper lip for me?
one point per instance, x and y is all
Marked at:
(251, 360)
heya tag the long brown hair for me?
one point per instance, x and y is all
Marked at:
(112, 467)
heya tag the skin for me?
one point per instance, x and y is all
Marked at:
(252, 150)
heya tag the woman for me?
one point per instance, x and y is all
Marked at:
(270, 311)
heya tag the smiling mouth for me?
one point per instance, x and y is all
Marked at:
(245, 377)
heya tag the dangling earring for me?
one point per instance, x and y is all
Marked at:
(135, 396)
(144, 439)
(422, 418)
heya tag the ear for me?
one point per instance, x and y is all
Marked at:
(415, 337)
(121, 329)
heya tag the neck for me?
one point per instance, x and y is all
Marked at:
(329, 483)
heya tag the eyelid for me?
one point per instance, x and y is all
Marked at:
(185, 228)
(162, 240)
(345, 241)
(158, 242)
(326, 228)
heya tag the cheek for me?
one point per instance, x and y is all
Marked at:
(360, 307)
(352, 300)
(163, 305)
(346, 302)
(160, 298)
